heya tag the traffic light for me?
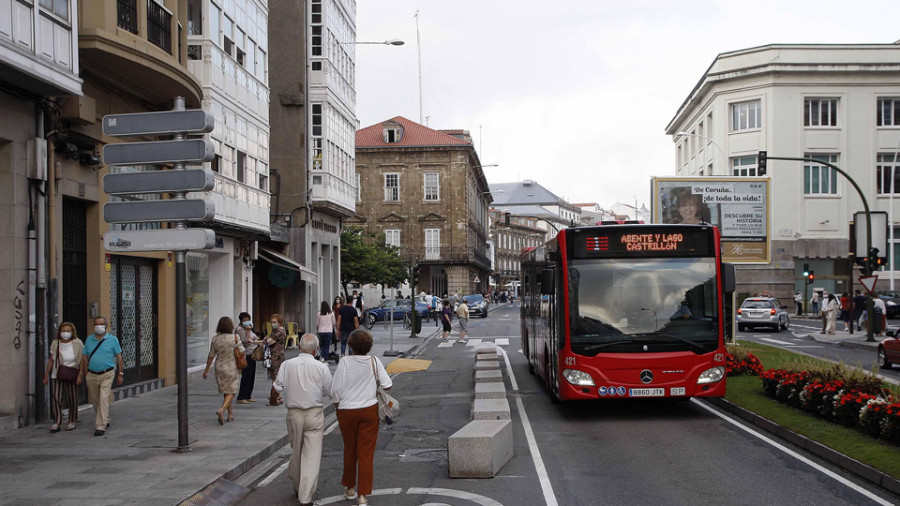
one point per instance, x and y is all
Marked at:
(414, 282)
(761, 162)
(811, 277)
(805, 270)
(506, 219)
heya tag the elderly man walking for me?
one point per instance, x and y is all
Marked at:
(304, 381)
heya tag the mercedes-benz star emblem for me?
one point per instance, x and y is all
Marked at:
(646, 376)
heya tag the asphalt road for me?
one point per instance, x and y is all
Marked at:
(607, 452)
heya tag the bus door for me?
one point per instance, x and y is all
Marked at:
(550, 282)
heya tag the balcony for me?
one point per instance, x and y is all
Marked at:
(218, 71)
(332, 194)
(131, 45)
(238, 205)
(445, 255)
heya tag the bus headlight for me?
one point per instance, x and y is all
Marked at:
(711, 375)
(578, 378)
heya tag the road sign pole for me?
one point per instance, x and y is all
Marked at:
(181, 317)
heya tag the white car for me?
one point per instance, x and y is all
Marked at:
(762, 312)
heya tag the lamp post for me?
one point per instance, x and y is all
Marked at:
(392, 42)
(722, 151)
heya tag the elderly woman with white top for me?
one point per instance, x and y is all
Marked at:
(353, 392)
(65, 350)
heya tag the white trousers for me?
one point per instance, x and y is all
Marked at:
(306, 428)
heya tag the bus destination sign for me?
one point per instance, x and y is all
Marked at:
(655, 242)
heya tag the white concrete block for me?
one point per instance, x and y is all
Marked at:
(493, 390)
(488, 376)
(490, 409)
(480, 449)
(482, 357)
(486, 348)
(487, 366)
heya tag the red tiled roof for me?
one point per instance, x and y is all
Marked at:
(414, 134)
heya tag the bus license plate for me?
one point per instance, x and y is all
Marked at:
(647, 392)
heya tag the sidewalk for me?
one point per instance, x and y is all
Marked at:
(135, 462)
(840, 337)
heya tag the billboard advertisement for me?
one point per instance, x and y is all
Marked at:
(738, 206)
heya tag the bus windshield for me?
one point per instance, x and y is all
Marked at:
(628, 305)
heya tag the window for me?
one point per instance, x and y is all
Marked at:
(195, 16)
(317, 119)
(216, 164)
(743, 166)
(746, 115)
(358, 188)
(392, 187)
(159, 26)
(263, 182)
(228, 36)
(214, 13)
(432, 244)
(432, 191)
(241, 166)
(317, 65)
(392, 237)
(888, 113)
(819, 179)
(126, 13)
(886, 165)
(820, 112)
(392, 135)
(58, 7)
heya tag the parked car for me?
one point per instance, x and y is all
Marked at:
(889, 350)
(762, 312)
(398, 306)
(478, 305)
(891, 303)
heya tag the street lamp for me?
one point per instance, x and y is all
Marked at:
(488, 165)
(392, 42)
(724, 156)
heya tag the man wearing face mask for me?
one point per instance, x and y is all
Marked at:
(102, 353)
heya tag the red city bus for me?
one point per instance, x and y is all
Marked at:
(623, 311)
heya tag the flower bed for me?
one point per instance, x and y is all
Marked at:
(858, 401)
(739, 362)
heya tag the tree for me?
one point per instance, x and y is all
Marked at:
(366, 259)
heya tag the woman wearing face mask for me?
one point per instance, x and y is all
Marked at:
(338, 301)
(248, 338)
(275, 354)
(65, 350)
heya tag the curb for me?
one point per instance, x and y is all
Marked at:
(856, 467)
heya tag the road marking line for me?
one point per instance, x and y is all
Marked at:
(275, 474)
(473, 341)
(801, 458)
(543, 477)
(501, 341)
(776, 341)
(445, 345)
(458, 494)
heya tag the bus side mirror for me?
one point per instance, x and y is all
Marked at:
(546, 281)
(728, 278)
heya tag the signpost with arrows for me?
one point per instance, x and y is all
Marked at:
(178, 210)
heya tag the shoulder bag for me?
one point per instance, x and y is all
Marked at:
(64, 372)
(388, 407)
(240, 359)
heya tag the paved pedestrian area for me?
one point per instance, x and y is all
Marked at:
(135, 462)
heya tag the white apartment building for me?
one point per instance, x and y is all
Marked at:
(333, 180)
(227, 53)
(838, 103)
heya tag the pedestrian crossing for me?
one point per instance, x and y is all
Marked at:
(473, 341)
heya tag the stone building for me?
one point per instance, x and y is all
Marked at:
(837, 103)
(426, 191)
(510, 241)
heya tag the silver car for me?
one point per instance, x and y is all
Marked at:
(762, 312)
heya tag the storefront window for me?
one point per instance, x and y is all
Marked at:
(197, 311)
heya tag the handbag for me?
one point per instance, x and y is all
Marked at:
(388, 407)
(64, 372)
(258, 354)
(240, 359)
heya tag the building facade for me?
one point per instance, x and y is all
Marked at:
(833, 103)
(313, 124)
(38, 69)
(227, 50)
(510, 241)
(425, 190)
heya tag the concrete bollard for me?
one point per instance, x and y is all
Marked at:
(480, 449)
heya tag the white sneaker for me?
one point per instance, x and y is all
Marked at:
(350, 493)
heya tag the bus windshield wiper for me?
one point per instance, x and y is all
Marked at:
(604, 345)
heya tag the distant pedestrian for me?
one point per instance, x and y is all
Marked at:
(275, 354)
(347, 322)
(798, 301)
(335, 336)
(815, 303)
(462, 313)
(845, 308)
(436, 309)
(250, 341)
(325, 321)
(99, 358)
(304, 382)
(445, 320)
(65, 351)
(859, 305)
(823, 315)
(832, 306)
(353, 392)
(228, 377)
(880, 315)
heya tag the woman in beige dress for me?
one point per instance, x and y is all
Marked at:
(228, 377)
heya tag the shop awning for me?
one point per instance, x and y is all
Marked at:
(288, 263)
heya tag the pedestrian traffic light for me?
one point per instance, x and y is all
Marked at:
(811, 276)
(805, 270)
(761, 162)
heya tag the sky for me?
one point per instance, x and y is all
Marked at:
(575, 95)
